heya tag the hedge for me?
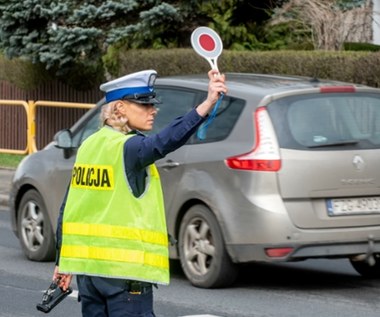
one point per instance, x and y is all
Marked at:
(350, 66)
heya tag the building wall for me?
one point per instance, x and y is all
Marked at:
(376, 22)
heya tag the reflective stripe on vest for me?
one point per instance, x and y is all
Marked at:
(106, 230)
(119, 232)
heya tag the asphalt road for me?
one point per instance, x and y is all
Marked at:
(323, 288)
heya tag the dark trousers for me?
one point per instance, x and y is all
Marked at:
(108, 297)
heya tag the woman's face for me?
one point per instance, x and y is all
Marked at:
(140, 116)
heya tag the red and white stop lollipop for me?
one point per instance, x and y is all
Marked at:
(207, 43)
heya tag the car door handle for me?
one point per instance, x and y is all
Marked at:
(170, 164)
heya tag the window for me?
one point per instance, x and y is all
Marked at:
(319, 121)
(90, 127)
(226, 116)
(175, 103)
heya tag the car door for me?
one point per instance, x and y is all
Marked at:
(175, 102)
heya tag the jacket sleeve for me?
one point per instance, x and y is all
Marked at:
(145, 150)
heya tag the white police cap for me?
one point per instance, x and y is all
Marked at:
(136, 87)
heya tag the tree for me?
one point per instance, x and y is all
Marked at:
(330, 22)
(62, 33)
(67, 34)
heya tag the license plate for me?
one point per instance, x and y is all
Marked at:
(352, 206)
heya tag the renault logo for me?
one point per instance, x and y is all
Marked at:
(358, 162)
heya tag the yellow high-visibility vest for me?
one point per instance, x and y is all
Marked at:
(106, 230)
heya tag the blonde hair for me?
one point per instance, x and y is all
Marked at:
(111, 116)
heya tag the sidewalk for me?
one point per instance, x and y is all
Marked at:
(6, 175)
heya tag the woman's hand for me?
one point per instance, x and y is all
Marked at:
(216, 86)
(63, 280)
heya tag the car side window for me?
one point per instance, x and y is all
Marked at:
(227, 115)
(175, 102)
(91, 126)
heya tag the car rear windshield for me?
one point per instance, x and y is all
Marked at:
(323, 121)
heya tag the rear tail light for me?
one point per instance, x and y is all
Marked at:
(278, 252)
(265, 156)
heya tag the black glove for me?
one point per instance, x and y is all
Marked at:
(52, 297)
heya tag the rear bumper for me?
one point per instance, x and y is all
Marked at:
(348, 249)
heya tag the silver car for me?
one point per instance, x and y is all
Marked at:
(289, 170)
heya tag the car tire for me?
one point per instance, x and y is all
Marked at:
(34, 228)
(203, 256)
(367, 270)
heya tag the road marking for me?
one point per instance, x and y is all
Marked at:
(74, 294)
(200, 316)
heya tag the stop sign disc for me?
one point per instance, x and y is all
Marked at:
(207, 43)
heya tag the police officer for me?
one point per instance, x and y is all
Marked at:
(111, 230)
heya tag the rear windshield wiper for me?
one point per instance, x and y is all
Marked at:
(337, 143)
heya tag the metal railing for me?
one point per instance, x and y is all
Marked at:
(23, 123)
(11, 120)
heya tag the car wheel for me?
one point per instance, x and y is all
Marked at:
(203, 256)
(34, 228)
(365, 269)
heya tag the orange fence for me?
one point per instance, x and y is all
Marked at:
(18, 120)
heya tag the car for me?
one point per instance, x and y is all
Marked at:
(288, 170)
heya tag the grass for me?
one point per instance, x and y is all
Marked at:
(10, 160)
